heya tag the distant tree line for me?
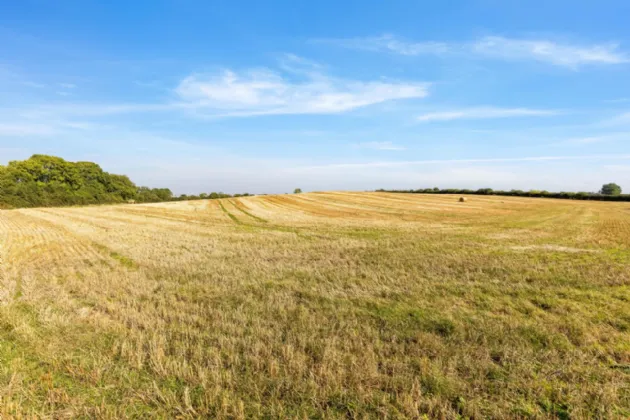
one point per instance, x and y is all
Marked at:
(208, 196)
(46, 181)
(609, 192)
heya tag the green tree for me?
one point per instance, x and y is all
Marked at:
(610, 189)
(297, 191)
(163, 194)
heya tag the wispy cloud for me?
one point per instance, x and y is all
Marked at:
(617, 100)
(388, 164)
(33, 84)
(624, 118)
(67, 85)
(484, 113)
(620, 119)
(299, 87)
(43, 127)
(91, 109)
(264, 92)
(549, 51)
(390, 43)
(587, 140)
(618, 168)
(498, 47)
(21, 129)
(380, 145)
(595, 139)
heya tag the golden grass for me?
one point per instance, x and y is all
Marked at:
(317, 305)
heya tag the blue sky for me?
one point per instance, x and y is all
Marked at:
(269, 96)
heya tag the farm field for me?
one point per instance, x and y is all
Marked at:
(326, 305)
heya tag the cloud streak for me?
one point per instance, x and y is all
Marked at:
(484, 113)
(390, 43)
(550, 52)
(595, 139)
(263, 92)
(380, 145)
(391, 164)
(21, 129)
(497, 47)
(27, 128)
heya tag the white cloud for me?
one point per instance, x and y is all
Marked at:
(484, 113)
(255, 92)
(380, 145)
(299, 86)
(548, 51)
(263, 92)
(389, 43)
(511, 49)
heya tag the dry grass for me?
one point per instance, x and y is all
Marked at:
(317, 305)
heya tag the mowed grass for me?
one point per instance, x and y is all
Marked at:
(323, 305)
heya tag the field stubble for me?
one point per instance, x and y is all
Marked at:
(317, 305)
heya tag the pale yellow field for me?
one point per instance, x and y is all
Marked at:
(317, 305)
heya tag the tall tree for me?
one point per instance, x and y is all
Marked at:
(611, 189)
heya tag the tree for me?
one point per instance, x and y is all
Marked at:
(163, 194)
(45, 180)
(297, 191)
(610, 189)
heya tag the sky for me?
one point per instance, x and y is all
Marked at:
(265, 97)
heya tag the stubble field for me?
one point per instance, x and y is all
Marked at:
(326, 305)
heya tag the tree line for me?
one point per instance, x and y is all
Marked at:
(609, 192)
(47, 181)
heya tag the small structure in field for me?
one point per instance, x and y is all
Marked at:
(131, 201)
(462, 199)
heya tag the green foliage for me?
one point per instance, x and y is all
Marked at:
(610, 189)
(47, 181)
(297, 191)
(155, 195)
(43, 181)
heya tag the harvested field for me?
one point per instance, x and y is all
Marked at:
(329, 305)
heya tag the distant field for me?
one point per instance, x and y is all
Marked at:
(327, 305)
